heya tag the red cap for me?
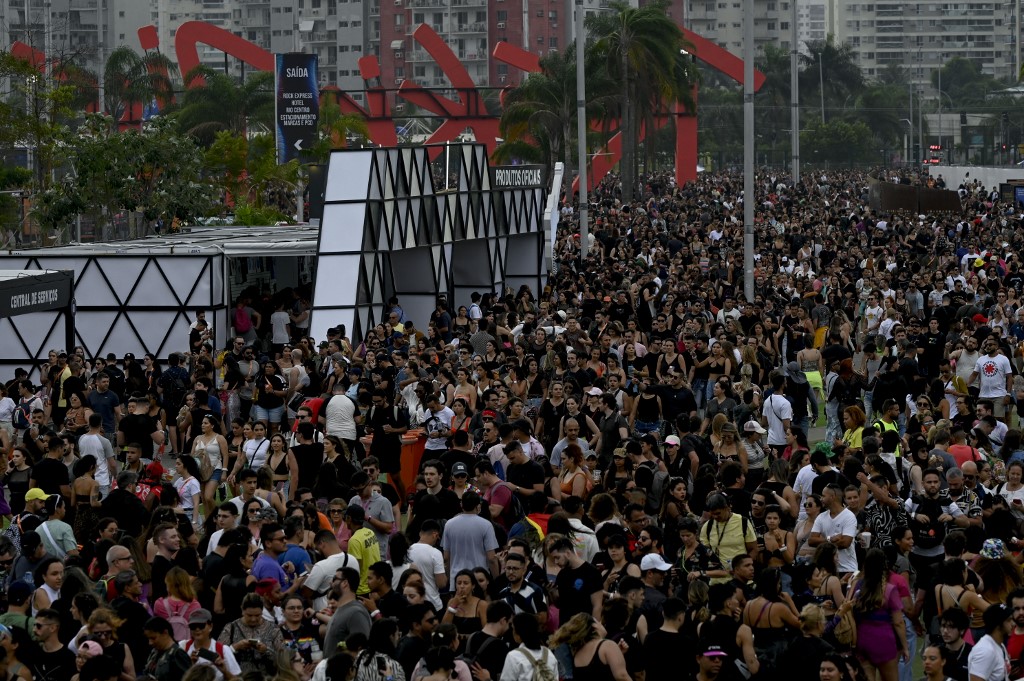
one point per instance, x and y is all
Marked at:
(489, 414)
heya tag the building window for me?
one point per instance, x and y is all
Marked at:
(553, 42)
(502, 15)
(398, 19)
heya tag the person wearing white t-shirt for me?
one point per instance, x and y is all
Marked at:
(836, 525)
(200, 626)
(988, 660)
(872, 314)
(321, 575)
(778, 413)
(430, 561)
(995, 375)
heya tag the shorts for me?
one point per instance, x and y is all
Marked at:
(998, 408)
(269, 415)
(217, 475)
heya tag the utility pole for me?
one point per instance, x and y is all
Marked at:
(581, 131)
(748, 151)
(794, 92)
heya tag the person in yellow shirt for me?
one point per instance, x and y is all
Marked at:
(362, 545)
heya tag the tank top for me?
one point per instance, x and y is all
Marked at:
(647, 409)
(595, 670)
(212, 450)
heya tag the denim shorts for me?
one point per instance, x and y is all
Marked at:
(269, 415)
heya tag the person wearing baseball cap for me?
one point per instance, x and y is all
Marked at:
(710, 661)
(200, 628)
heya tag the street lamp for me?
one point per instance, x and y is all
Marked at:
(910, 136)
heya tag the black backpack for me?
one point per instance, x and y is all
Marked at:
(928, 535)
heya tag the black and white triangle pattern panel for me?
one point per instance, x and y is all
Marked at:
(123, 303)
(391, 227)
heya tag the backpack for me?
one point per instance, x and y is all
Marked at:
(242, 321)
(174, 388)
(541, 672)
(13, 532)
(515, 512)
(178, 620)
(927, 535)
(219, 647)
(701, 449)
(22, 416)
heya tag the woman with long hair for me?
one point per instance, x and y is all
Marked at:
(180, 600)
(49, 575)
(211, 448)
(379, 653)
(235, 584)
(620, 471)
(467, 609)
(187, 486)
(283, 466)
(593, 655)
(615, 547)
(812, 507)
(102, 628)
(878, 609)
(853, 422)
(573, 479)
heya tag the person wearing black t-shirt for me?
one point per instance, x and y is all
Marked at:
(50, 474)
(138, 426)
(53, 661)
(579, 584)
(523, 474)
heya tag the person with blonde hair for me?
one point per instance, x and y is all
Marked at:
(102, 628)
(179, 603)
(591, 651)
(803, 656)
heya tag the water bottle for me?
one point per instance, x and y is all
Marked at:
(315, 653)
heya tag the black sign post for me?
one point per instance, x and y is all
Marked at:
(296, 104)
(27, 291)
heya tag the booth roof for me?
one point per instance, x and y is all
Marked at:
(237, 242)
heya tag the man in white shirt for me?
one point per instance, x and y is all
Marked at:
(321, 575)
(200, 626)
(94, 443)
(778, 413)
(837, 525)
(872, 314)
(806, 475)
(989, 660)
(430, 561)
(996, 376)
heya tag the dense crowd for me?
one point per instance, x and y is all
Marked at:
(634, 473)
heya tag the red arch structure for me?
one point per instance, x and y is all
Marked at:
(468, 111)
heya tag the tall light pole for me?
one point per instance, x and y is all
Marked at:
(748, 151)
(794, 92)
(821, 81)
(581, 130)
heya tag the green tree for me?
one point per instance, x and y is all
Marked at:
(964, 82)
(838, 141)
(214, 101)
(832, 65)
(641, 49)
(130, 78)
(538, 121)
(334, 128)
(154, 171)
(881, 108)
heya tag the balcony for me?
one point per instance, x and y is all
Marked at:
(429, 3)
(473, 28)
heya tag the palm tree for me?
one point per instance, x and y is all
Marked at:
(538, 121)
(833, 66)
(642, 53)
(214, 101)
(131, 79)
(334, 127)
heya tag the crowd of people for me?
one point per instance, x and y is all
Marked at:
(634, 473)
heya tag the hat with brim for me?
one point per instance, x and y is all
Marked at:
(794, 373)
(36, 494)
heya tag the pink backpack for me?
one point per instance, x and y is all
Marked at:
(178, 618)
